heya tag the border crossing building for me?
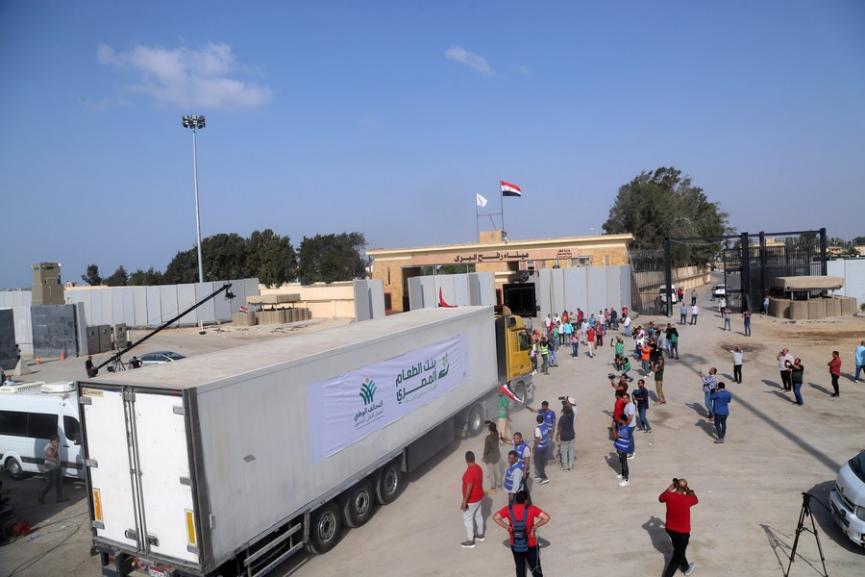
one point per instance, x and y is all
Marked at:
(510, 260)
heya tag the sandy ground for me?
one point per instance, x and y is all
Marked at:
(749, 488)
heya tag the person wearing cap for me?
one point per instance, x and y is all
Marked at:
(565, 435)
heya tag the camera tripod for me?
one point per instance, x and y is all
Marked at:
(806, 511)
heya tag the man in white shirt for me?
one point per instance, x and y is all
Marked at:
(694, 312)
(630, 412)
(627, 324)
(785, 361)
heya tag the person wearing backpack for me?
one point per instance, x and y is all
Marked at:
(623, 444)
(522, 521)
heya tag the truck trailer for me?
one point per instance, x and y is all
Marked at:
(231, 462)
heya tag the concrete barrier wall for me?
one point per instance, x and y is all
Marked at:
(19, 302)
(153, 305)
(588, 288)
(463, 289)
(853, 273)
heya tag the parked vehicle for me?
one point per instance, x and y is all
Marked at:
(662, 294)
(239, 459)
(847, 499)
(30, 414)
(160, 358)
(719, 291)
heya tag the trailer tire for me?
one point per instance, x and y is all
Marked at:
(475, 420)
(324, 529)
(13, 468)
(358, 504)
(388, 485)
(521, 391)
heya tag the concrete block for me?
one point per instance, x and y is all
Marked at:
(779, 308)
(307, 314)
(247, 319)
(799, 310)
(105, 338)
(93, 341)
(848, 306)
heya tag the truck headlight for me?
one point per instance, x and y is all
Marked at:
(860, 512)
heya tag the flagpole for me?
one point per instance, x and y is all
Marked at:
(477, 220)
(502, 200)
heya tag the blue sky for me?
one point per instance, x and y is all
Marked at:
(388, 117)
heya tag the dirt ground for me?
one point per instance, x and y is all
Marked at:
(749, 488)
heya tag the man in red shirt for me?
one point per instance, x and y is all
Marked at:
(835, 371)
(679, 500)
(473, 494)
(507, 517)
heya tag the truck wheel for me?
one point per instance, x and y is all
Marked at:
(358, 504)
(475, 420)
(389, 483)
(521, 392)
(13, 468)
(325, 528)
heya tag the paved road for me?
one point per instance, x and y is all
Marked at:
(749, 487)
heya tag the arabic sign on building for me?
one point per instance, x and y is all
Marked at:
(521, 255)
(349, 407)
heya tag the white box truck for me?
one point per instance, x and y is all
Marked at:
(230, 462)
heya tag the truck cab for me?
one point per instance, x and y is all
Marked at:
(513, 345)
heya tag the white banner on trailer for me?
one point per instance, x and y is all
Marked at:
(353, 405)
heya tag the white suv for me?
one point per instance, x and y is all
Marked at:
(848, 499)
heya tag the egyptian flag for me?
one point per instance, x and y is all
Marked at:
(506, 391)
(510, 189)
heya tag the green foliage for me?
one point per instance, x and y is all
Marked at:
(332, 257)
(858, 240)
(271, 258)
(92, 277)
(264, 255)
(145, 278)
(663, 203)
(118, 278)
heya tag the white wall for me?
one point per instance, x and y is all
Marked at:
(152, 306)
(853, 272)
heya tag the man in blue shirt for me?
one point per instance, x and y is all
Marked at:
(543, 440)
(860, 360)
(721, 399)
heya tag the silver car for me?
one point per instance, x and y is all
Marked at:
(159, 358)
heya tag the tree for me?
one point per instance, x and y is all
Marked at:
(118, 278)
(663, 203)
(858, 240)
(92, 277)
(270, 258)
(149, 277)
(223, 257)
(332, 257)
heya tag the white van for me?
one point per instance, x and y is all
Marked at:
(848, 499)
(29, 414)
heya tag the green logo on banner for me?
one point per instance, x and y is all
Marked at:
(367, 391)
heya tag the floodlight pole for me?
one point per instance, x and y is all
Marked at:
(194, 121)
(197, 210)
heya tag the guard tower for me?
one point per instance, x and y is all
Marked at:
(47, 288)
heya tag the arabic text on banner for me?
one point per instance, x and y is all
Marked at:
(353, 405)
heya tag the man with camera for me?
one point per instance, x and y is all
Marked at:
(679, 499)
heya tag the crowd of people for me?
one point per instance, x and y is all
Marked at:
(526, 461)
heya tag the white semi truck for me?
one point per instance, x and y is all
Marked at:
(229, 463)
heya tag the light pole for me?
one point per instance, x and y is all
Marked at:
(196, 122)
